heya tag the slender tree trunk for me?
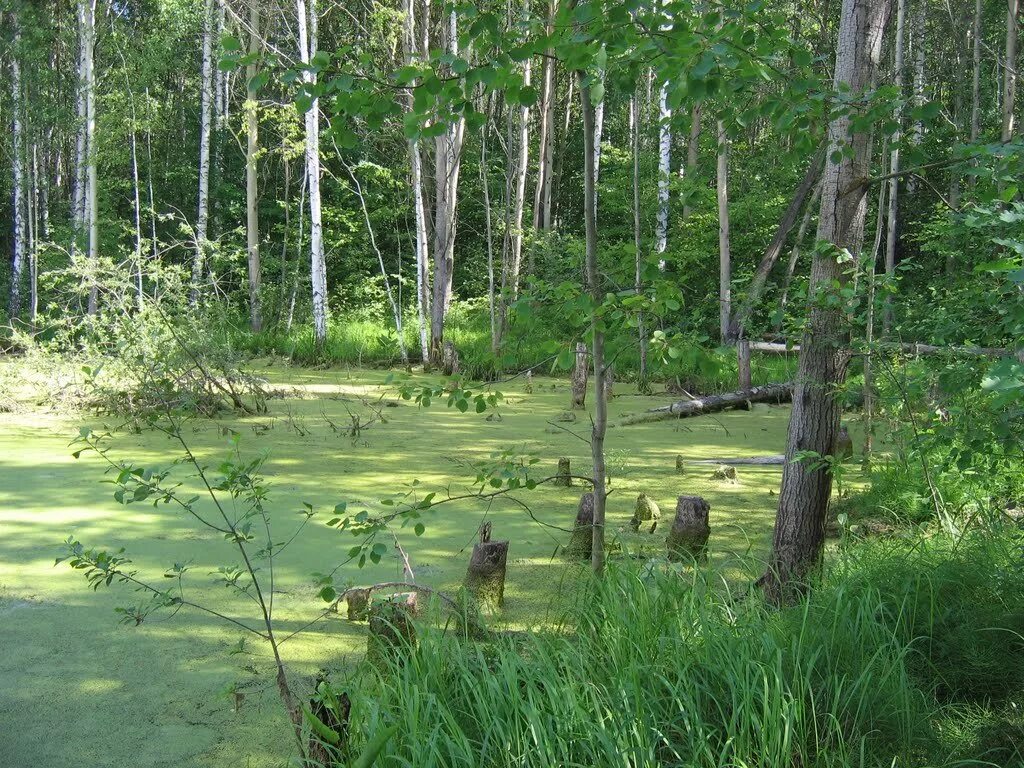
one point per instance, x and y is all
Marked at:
(252, 222)
(18, 171)
(447, 165)
(307, 25)
(664, 173)
(81, 141)
(137, 210)
(485, 183)
(869, 333)
(600, 418)
(205, 112)
(919, 66)
(545, 146)
(1010, 70)
(420, 212)
(37, 201)
(814, 425)
(794, 256)
(724, 251)
(92, 181)
(894, 167)
(692, 149)
(976, 74)
(634, 111)
(149, 180)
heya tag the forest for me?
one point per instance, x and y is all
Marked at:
(526, 384)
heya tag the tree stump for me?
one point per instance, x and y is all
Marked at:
(580, 373)
(609, 383)
(726, 473)
(581, 544)
(743, 365)
(844, 444)
(688, 538)
(485, 576)
(528, 387)
(680, 465)
(392, 631)
(449, 359)
(358, 604)
(564, 476)
(646, 511)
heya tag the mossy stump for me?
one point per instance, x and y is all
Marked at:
(726, 473)
(688, 539)
(563, 478)
(580, 373)
(581, 544)
(392, 631)
(485, 576)
(449, 359)
(646, 511)
(528, 386)
(358, 604)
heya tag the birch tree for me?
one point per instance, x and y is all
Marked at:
(1010, 69)
(252, 222)
(18, 172)
(307, 27)
(92, 180)
(799, 535)
(419, 209)
(664, 172)
(205, 116)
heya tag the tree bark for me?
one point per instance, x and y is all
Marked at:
(545, 146)
(806, 486)
(692, 149)
(894, 166)
(252, 223)
(634, 110)
(18, 172)
(591, 137)
(205, 111)
(447, 165)
(724, 252)
(1010, 70)
(92, 181)
(664, 173)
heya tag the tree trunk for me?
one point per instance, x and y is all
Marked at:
(485, 183)
(634, 110)
(894, 167)
(545, 146)
(794, 256)
(692, 149)
(869, 333)
(92, 181)
(1010, 70)
(579, 377)
(318, 264)
(82, 134)
(740, 399)
(724, 253)
(252, 223)
(771, 254)
(976, 74)
(919, 66)
(206, 109)
(448, 163)
(18, 171)
(806, 486)
(591, 136)
(688, 539)
(664, 173)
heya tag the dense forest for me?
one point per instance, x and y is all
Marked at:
(761, 261)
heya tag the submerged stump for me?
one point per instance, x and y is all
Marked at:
(646, 511)
(564, 476)
(581, 544)
(688, 538)
(485, 576)
(392, 631)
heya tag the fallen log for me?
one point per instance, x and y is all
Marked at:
(910, 348)
(742, 398)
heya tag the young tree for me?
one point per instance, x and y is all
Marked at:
(205, 119)
(806, 480)
(724, 249)
(252, 123)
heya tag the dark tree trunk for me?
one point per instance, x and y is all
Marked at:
(806, 486)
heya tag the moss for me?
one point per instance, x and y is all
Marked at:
(64, 650)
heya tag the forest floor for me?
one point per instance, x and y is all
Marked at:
(77, 688)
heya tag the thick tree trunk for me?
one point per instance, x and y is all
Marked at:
(724, 252)
(1010, 70)
(740, 399)
(308, 28)
(591, 136)
(894, 166)
(806, 486)
(252, 223)
(18, 171)
(205, 119)
(447, 165)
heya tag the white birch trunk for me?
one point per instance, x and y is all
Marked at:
(81, 140)
(1010, 70)
(252, 224)
(205, 119)
(546, 133)
(664, 173)
(307, 24)
(18, 171)
(92, 181)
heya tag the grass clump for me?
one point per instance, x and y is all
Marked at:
(904, 655)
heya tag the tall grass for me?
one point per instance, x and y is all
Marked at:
(671, 670)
